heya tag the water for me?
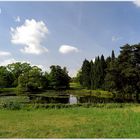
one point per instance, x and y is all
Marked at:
(73, 99)
(68, 99)
(50, 97)
(56, 97)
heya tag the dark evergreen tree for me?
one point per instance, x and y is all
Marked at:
(113, 55)
(86, 74)
(108, 60)
(137, 67)
(97, 72)
(112, 77)
(92, 75)
(126, 68)
(102, 71)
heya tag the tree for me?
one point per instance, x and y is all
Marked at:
(16, 69)
(113, 55)
(108, 60)
(98, 72)
(31, 80)
(35, 77)
(118, 74)
(123, 72)
(86, 74)
(79, 77)
(6, 78)
(112, 78)
(59, 78)
(45, 80)
(127, 72)
(92, 75)
(102, 71)
(136, 60)
(23, 82)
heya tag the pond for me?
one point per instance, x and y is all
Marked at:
(61, 97)
(68, 99)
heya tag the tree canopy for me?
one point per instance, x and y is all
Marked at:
(31, 78)
(117, 74)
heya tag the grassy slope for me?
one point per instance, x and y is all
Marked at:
(71, 123)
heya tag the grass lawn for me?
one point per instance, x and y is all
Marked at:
(71, 123)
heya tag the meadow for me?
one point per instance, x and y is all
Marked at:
(108, 121)
(22, 118)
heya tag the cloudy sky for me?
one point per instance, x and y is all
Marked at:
(65, 33)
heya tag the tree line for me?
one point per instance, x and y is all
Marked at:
(31, 78)
(117, 74)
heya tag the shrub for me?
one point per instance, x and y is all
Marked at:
(11, 105)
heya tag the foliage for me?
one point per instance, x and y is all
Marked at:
(31, 80)
(6, 77)
(25, 77)
(77, 78)
(85, 74)
(17, 69)
(117, 74)
(59, 78)
(11, 105)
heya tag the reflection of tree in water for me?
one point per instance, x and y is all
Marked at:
(71, 99)
(93, 99)
(45, 99)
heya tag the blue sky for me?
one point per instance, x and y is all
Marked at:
(65, 33)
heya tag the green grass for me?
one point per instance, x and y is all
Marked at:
(71, 123)
(74, 85)
(8, 89)
(20, 99)
(76, 88)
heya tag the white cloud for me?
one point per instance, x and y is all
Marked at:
(67, 49)
(3, 53)
(31, 35)
(137, 3)
(17, 19)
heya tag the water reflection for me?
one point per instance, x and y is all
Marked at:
(93, 99)
(72, 99)
(68, 99)
(47, 99)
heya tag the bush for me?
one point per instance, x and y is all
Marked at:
(11, 105)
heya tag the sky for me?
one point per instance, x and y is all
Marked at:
(65, 33)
